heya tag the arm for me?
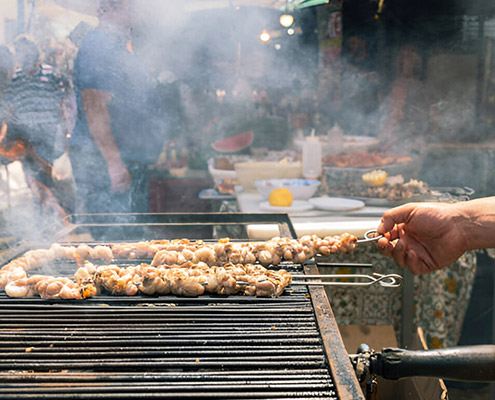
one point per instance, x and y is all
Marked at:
(429, 236)
(95, 108)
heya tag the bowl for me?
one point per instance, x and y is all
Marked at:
(250, 172)
(219, 174)
(301, 189)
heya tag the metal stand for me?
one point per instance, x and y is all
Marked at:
(407, 309)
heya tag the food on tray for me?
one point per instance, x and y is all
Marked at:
(394, 189)
(224, 163)
(364, 159)
(280, 197)
(377, 177)
(399, 191)
(187, 257)
(225, 186)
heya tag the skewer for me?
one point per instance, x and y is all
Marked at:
(390, 280)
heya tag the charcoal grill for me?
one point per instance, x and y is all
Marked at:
(235, 347)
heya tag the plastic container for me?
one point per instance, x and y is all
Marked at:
(311, 157)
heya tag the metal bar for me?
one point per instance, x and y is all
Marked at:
(340, 265)
(340, 365)
(193, 394)
(181, 219)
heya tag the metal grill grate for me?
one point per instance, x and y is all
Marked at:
(235, 347)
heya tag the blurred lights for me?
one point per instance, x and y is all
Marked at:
(265, 36)
(277, 46)
(290, 31)
(286, 20)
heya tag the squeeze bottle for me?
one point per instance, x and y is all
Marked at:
(311, 157)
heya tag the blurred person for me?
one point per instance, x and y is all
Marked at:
(424, 237)
(360, 89)
(7, 62)
(409, 112)
(114, 139)
(34, 127)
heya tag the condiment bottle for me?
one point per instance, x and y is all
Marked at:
(311, 156)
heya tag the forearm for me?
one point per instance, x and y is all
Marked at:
(476, 218)
(99, 124)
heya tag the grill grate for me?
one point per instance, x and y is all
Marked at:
(235, 347)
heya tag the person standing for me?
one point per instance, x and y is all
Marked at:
(114, 139)
(409, 112)
(33, 126)
(359, 89)
(6, 73)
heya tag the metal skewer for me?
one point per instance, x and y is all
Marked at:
(390, 280)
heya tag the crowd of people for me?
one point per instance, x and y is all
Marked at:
(98, 108)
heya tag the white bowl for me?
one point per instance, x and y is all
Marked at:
(301, 189)
(220, 173)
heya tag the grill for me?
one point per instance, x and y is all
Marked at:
(166, 347)
(235, 347)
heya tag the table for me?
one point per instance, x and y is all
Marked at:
(317, 222)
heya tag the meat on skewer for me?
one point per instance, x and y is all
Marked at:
(211, 267)
(189, 280)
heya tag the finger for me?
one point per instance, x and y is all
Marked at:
(394, 216)
(385, 246)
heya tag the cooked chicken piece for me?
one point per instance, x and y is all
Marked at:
(24, 287)
(101, 253)
(63, 251)
(58, 288)
(11, 272)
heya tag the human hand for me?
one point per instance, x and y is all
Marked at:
(120, 177)
(422, 237)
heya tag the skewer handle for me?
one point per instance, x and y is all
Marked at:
(370, 236)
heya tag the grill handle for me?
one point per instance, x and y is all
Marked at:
(463, 363)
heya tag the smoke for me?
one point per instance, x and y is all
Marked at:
(212, 66)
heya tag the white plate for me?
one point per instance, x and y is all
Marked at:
(297, 206)
(336, 203)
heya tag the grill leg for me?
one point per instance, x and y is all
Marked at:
(407, 309)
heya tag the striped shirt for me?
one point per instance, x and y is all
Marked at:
(35, 100)
(36, 112)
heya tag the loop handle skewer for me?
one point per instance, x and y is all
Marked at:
(390, 280)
